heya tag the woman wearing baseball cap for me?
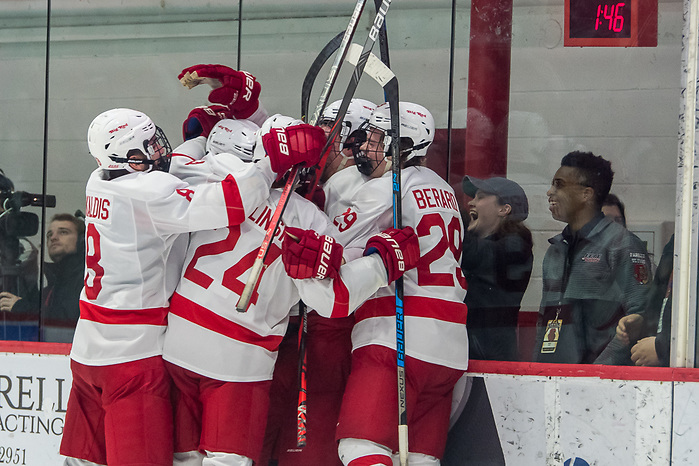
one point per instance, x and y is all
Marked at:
(497, 262)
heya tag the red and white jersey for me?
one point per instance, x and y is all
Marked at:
(136, 248)
(207, 335)
(434, 291)
(339, 191)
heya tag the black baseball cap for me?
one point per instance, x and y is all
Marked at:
(507, 190)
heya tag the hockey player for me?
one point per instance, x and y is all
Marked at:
(436, 345)
(222, 360)
(328, 343)
(119, 411)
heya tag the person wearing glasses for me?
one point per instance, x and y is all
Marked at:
(594, 272)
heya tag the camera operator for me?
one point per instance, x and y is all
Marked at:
(19, 267)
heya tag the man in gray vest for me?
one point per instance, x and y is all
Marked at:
(594, 272)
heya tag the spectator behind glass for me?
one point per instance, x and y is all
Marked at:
(594, 272)
(19, 270)
(65, 241)
(497, 262)
(59, 299)
(648, 335)
(613, 208)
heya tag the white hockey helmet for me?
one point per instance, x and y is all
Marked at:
(358, 113)
(235, 137)
(114, 134)
(416, 128)
(275, 121)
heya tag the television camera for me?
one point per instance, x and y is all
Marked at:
(15, 224)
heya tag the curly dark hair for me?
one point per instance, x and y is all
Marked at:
(595, 172)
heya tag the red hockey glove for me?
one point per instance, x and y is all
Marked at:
(239, 90)
(306, 254)
(399, 250)
(298, 144)
(202, 120)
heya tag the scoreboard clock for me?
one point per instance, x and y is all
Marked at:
(611, 23)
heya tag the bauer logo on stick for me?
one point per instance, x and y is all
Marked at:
(379, 19)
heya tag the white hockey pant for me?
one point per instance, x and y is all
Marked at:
(78, 462)
(188, 458)
(225, 459)
(352, 449)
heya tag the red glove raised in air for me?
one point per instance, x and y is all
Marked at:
(306, 254)
(399, 250)
(239, 90)
(293, 145)
(202, 120)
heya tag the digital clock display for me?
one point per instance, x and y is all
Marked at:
(611, 23)
(600, 19)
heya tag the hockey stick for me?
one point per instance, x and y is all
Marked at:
(378, 71)
(326, 53)
(301, 419)
(400, 318)
(388, 80)
(391, 90)
(301, 429)
(301, 416)
(256, 270)
(374, 33)
(383, 39)
(391, 95)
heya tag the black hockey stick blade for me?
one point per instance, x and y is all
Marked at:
(313, 71)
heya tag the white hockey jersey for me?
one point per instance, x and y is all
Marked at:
(435, 315)
(136, 245)
(339, 191)
(207, 335)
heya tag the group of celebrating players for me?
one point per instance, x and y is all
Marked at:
(167, 371)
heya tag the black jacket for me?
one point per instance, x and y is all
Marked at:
(497, 270)
(60, 297)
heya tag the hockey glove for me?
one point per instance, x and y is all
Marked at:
(306, 254)
(239, 90)
(399, 250)
(202, 120)
(293, 145)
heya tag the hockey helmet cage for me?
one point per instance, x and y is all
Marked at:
(358, 113)
(416, 128)
(235, 137)
(113, 134)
